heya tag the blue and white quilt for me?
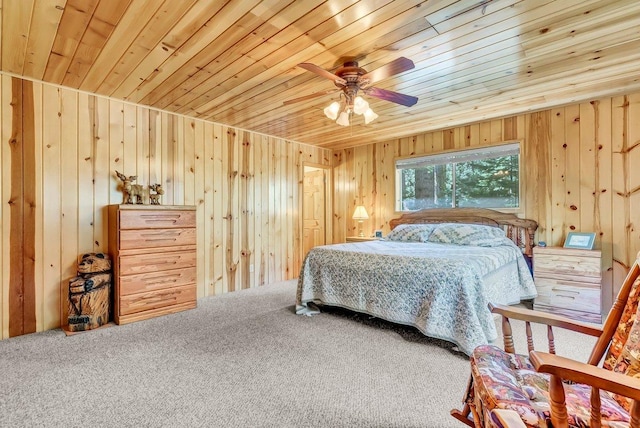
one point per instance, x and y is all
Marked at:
(441, 289)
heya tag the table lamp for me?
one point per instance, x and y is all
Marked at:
(360, 215)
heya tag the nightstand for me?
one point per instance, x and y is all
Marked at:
(361, 238)
(569, 282)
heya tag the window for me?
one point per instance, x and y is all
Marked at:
(487, 177)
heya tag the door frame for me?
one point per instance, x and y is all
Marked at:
(328, 198)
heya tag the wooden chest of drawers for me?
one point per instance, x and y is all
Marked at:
(153, 249)
(569, 282)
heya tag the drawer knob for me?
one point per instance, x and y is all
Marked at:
(562, 290)
(164, 236)
(160, 217)
(160, 239)
(165, 262)
(568, 297)
(167, 280)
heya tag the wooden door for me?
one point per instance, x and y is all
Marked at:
(314, 208)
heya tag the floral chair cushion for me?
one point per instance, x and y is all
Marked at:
(624, 327)
(509, 381)
(624, 353)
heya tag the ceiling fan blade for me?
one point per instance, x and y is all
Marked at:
(394, 67)
(394, 97)
(322, 72)
(310, 96)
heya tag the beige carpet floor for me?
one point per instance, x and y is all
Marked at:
(239, 360)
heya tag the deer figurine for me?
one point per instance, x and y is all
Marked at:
(131, 191)
(154, 199)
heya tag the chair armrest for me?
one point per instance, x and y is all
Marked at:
(539, 317)
(506, 418)
(587, 374)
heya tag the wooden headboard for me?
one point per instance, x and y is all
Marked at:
(517, 229)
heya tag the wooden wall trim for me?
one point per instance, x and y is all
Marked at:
(246, 215)
(232, 175)
(29, 204)
(16, 267)
(22, 288)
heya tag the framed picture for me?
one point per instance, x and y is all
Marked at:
(583, 241)
(378, 234)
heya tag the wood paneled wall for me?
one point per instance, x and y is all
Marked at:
(578, 174)
(59, 151)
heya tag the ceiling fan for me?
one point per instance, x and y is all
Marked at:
(351, 79)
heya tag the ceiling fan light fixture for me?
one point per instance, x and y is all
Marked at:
(350, 79)
(343, 119)
(369, 116)
(360, 105)
(331, 111)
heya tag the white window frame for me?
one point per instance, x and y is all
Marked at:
(464, 155)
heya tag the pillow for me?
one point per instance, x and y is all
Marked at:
(411, 232)
(469, 234)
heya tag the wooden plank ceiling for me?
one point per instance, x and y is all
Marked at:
(234, 61)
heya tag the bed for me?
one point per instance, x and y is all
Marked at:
(437, 271)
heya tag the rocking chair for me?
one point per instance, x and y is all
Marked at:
(543, 389)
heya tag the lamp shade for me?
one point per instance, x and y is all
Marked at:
(360, 105)
(360, 213)
(343, 119)
(369, 116)
(332, 110)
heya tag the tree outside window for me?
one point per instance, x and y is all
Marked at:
(481, 178)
